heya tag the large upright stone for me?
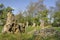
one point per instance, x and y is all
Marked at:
(10, 18)
(11, 25)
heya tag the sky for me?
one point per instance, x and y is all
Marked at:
(21, 5)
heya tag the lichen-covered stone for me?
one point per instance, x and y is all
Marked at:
(46, 33)
(11, 25)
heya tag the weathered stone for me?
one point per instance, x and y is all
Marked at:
(34, 24)
(27, 24)
(12, 26)
(47, 32)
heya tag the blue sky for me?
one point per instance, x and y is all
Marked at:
(19, 5)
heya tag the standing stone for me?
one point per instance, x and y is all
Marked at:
(42, 24)
(11, 25)
(8, 22)
(27, 24)
(34, 25)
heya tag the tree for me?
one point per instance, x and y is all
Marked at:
(43, 17)
(1, 9)
(33, 9)
(56, 15)
(9, 9)
(56, 22)
(3, 12)
(51, 12)
(20, 17)
(58, 5)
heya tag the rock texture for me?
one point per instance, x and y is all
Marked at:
(11, 25)
(43, 34)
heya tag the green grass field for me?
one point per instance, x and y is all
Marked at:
(24, 36)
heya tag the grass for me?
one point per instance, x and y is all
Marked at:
(21, 36)
(57, 28)
(10, 37)
(30, 28)
(25, 36)
(1, 28)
